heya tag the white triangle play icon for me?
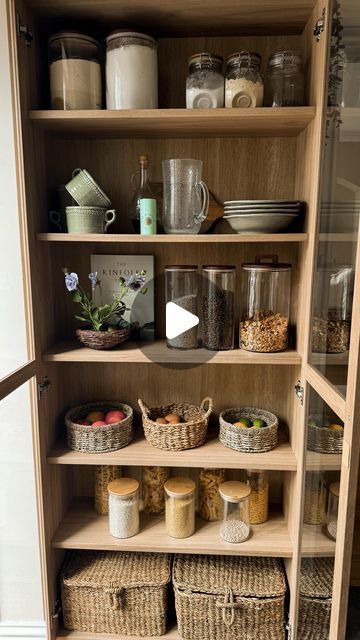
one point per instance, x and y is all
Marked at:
(178, 320)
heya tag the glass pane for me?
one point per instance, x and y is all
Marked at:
(20, 588)
(340, 202)
(13, 346)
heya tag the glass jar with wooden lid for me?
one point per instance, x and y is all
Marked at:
(153, 494)
(332, 510)
(123, 507)
(180, 507)
(258, 481)
(209, 496)
(235, 519)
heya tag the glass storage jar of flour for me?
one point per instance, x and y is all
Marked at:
(205, 82)
(244, 85)
(75, 71)
(131, 71)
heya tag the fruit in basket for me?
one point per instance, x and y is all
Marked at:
(173, 418)
(99, 423)
(161, 421)
(258, 423)
(94, 416)
(336, 427)
(114, 416)
(241, 423)
(85, 423)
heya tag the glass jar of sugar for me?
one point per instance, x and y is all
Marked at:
(75, 71)
(131, 71)
(244, 86)
(205, 82)
(235, 519)
(123, 507)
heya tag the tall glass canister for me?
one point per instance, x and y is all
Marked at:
(181, 290)
(218, 307)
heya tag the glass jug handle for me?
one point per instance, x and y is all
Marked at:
(205, 207)
(134, 180)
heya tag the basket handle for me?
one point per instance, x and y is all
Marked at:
(228, 604)
(144, 408)
(210, 403)
(113, 597)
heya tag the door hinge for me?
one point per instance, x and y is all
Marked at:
(320, 26)
(299, 391)
(44, 386)
(24, 31)
(55, 613)
(289, 631)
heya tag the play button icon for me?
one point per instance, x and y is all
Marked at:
(178, 320)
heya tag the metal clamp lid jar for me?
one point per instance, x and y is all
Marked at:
(285, 80)
(244, 85)
(205, 82)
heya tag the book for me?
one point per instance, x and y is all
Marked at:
(140, 307)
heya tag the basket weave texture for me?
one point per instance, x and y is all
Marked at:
(316, 585)
(252, 439)
(102, 339)
(322, 439)
(229, 598)
(176, 437)
(115, 592)
(102, 438)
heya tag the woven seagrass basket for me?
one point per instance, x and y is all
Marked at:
(316, 585)
(322, 439)
(176, 437)
(115, 592)
(252, 439)
(102, 339)
(99, 439)
(229, 598)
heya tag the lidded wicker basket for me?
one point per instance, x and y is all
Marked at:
(115, 592)
(323, 439)
(316, 586)
(251, 439)
(100, 439)
(229, 598)
(176, 437)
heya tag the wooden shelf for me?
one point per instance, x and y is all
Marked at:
(141, 453)
(158, 352)
(315, 543)
(350, 124)
(329, 358)
(83, 528)
(177, 123)
(175, 238)
(322, 461)
(171, 634)
(338, 237)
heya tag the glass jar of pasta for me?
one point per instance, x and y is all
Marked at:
(153, 494)
(259, 497)
(209, 496)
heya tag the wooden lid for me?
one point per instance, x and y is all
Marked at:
(123, 487)
(335, 488)
(179, 487)
(234, 491)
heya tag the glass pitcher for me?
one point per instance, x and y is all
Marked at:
(186, 196)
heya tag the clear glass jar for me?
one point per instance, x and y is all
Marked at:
(205, 82)
(244, 86)
(265, 305)
(131, 71)
(315, 498)
(181, 289)
(332, 309)
(235, 518)
(75, 71)
(104, 474)
(258, 481)
(285, 80)
(332, 510)
(209, 496)
(153, 494)
(180, 507)
(218, 302)
(123, 507)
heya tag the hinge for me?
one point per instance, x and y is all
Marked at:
(24, 31)
(319, 26)
(55, 613)
(299, 391)
(289, 631)
(44, 386)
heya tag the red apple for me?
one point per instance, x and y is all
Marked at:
(114, 416)
(99, 423)
(94, 416)
(86, 423)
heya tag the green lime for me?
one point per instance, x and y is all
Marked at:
(258, 423)
(246, 421)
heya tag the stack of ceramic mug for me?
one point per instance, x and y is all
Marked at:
(90, 212)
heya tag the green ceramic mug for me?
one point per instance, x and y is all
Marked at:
(85, 191)
(89, 219)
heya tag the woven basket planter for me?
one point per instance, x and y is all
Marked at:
(252, 439)
(229, 598)
(322, 439)
(176, 437)
(99, 439)
(102, 339)
(115, 592)
(316, 586)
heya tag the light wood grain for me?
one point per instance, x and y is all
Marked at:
(171, 634)
(210, 238)
(327, 391)
(322, 461)
(9, 383)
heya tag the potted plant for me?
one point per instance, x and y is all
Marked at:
(106, 326)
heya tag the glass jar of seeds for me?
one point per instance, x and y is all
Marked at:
(180, 507)
(235, 519)
(153, 495)
(265, 305)
(332, 510)
(209, 496)
(123, 507)
(181, 289)
(259, 497)
(218, 307)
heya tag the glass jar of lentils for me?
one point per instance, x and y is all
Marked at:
(218, 307)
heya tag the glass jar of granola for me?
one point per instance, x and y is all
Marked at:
(332, 310)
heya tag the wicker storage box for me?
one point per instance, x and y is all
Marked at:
(176, 437)
(229, 598)
(251, 440)
(99, 439)
(316, 583)
(322, 439)
(115, 592)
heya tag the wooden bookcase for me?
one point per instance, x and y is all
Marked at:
(260, 153)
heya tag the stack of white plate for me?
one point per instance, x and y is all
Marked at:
(261, 216)
(339, 217)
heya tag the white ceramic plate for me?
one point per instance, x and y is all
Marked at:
(255, 223)
(240, 212)
(296, 203)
